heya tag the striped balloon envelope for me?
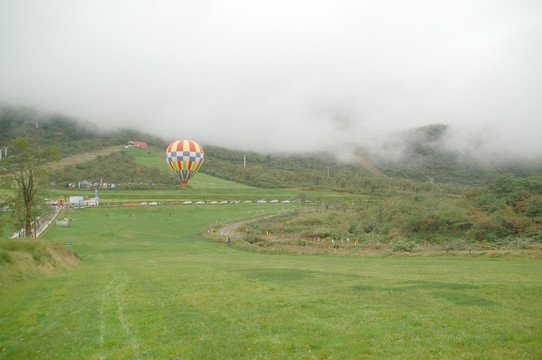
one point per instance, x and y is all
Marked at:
(185, 158)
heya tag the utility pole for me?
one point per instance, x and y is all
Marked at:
(245, 161)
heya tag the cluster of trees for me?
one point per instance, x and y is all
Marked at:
(312, 172)
(118, 168)
(266, 170)
(510, 206)
(508, 209)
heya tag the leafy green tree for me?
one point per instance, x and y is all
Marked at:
(533, 206)
(507, 187)
(488, 201)
(25, 168)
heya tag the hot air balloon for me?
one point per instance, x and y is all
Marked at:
(185, 158)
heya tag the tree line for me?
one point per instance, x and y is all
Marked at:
(118, 168)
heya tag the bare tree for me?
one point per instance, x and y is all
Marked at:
(25, 168)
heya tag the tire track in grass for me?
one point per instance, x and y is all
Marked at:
(105, 298)
(120, 308)
(115, 289)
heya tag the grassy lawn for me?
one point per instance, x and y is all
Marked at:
(117, 197)
(209, 193)
(208, 188)
(152, 157)
(150, 287)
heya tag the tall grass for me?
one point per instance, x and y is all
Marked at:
(24, 258)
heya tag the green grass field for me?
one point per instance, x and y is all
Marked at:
(117, 197)
(150, 287)
(208, 188)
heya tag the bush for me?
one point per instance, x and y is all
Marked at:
(427, 219)
(5, 257)
(493, 227)
(487, 201)
(403, 246)
(255, 239)
(458, 244)
(533, 206)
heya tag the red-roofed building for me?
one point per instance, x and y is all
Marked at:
(138, 144)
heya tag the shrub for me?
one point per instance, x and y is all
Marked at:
(253, 239)
(488, 201)
(458, 244)
(404, 246)
(533, 206)
(493, 227)
(5, 257)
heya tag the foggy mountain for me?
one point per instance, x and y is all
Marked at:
(422, 153)
(428, 154)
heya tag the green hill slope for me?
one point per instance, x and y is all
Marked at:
(71, 135)
(423, 157)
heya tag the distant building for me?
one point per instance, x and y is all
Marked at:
(85, 184)
(138, 144)
(81, 201)
(77, 200)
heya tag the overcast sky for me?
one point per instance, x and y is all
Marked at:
(286, 75)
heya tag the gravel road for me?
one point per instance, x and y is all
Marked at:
(230, 229)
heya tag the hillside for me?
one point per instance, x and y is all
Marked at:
(420, 156)
(71, 135)
(424, 154)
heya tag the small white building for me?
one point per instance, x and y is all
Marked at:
(82, 201)
(77, 200)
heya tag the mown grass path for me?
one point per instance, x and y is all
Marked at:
(150, 287)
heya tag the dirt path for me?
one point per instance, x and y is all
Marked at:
(83, 157)
(231, 229)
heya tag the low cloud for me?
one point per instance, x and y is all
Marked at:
(283, 76)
